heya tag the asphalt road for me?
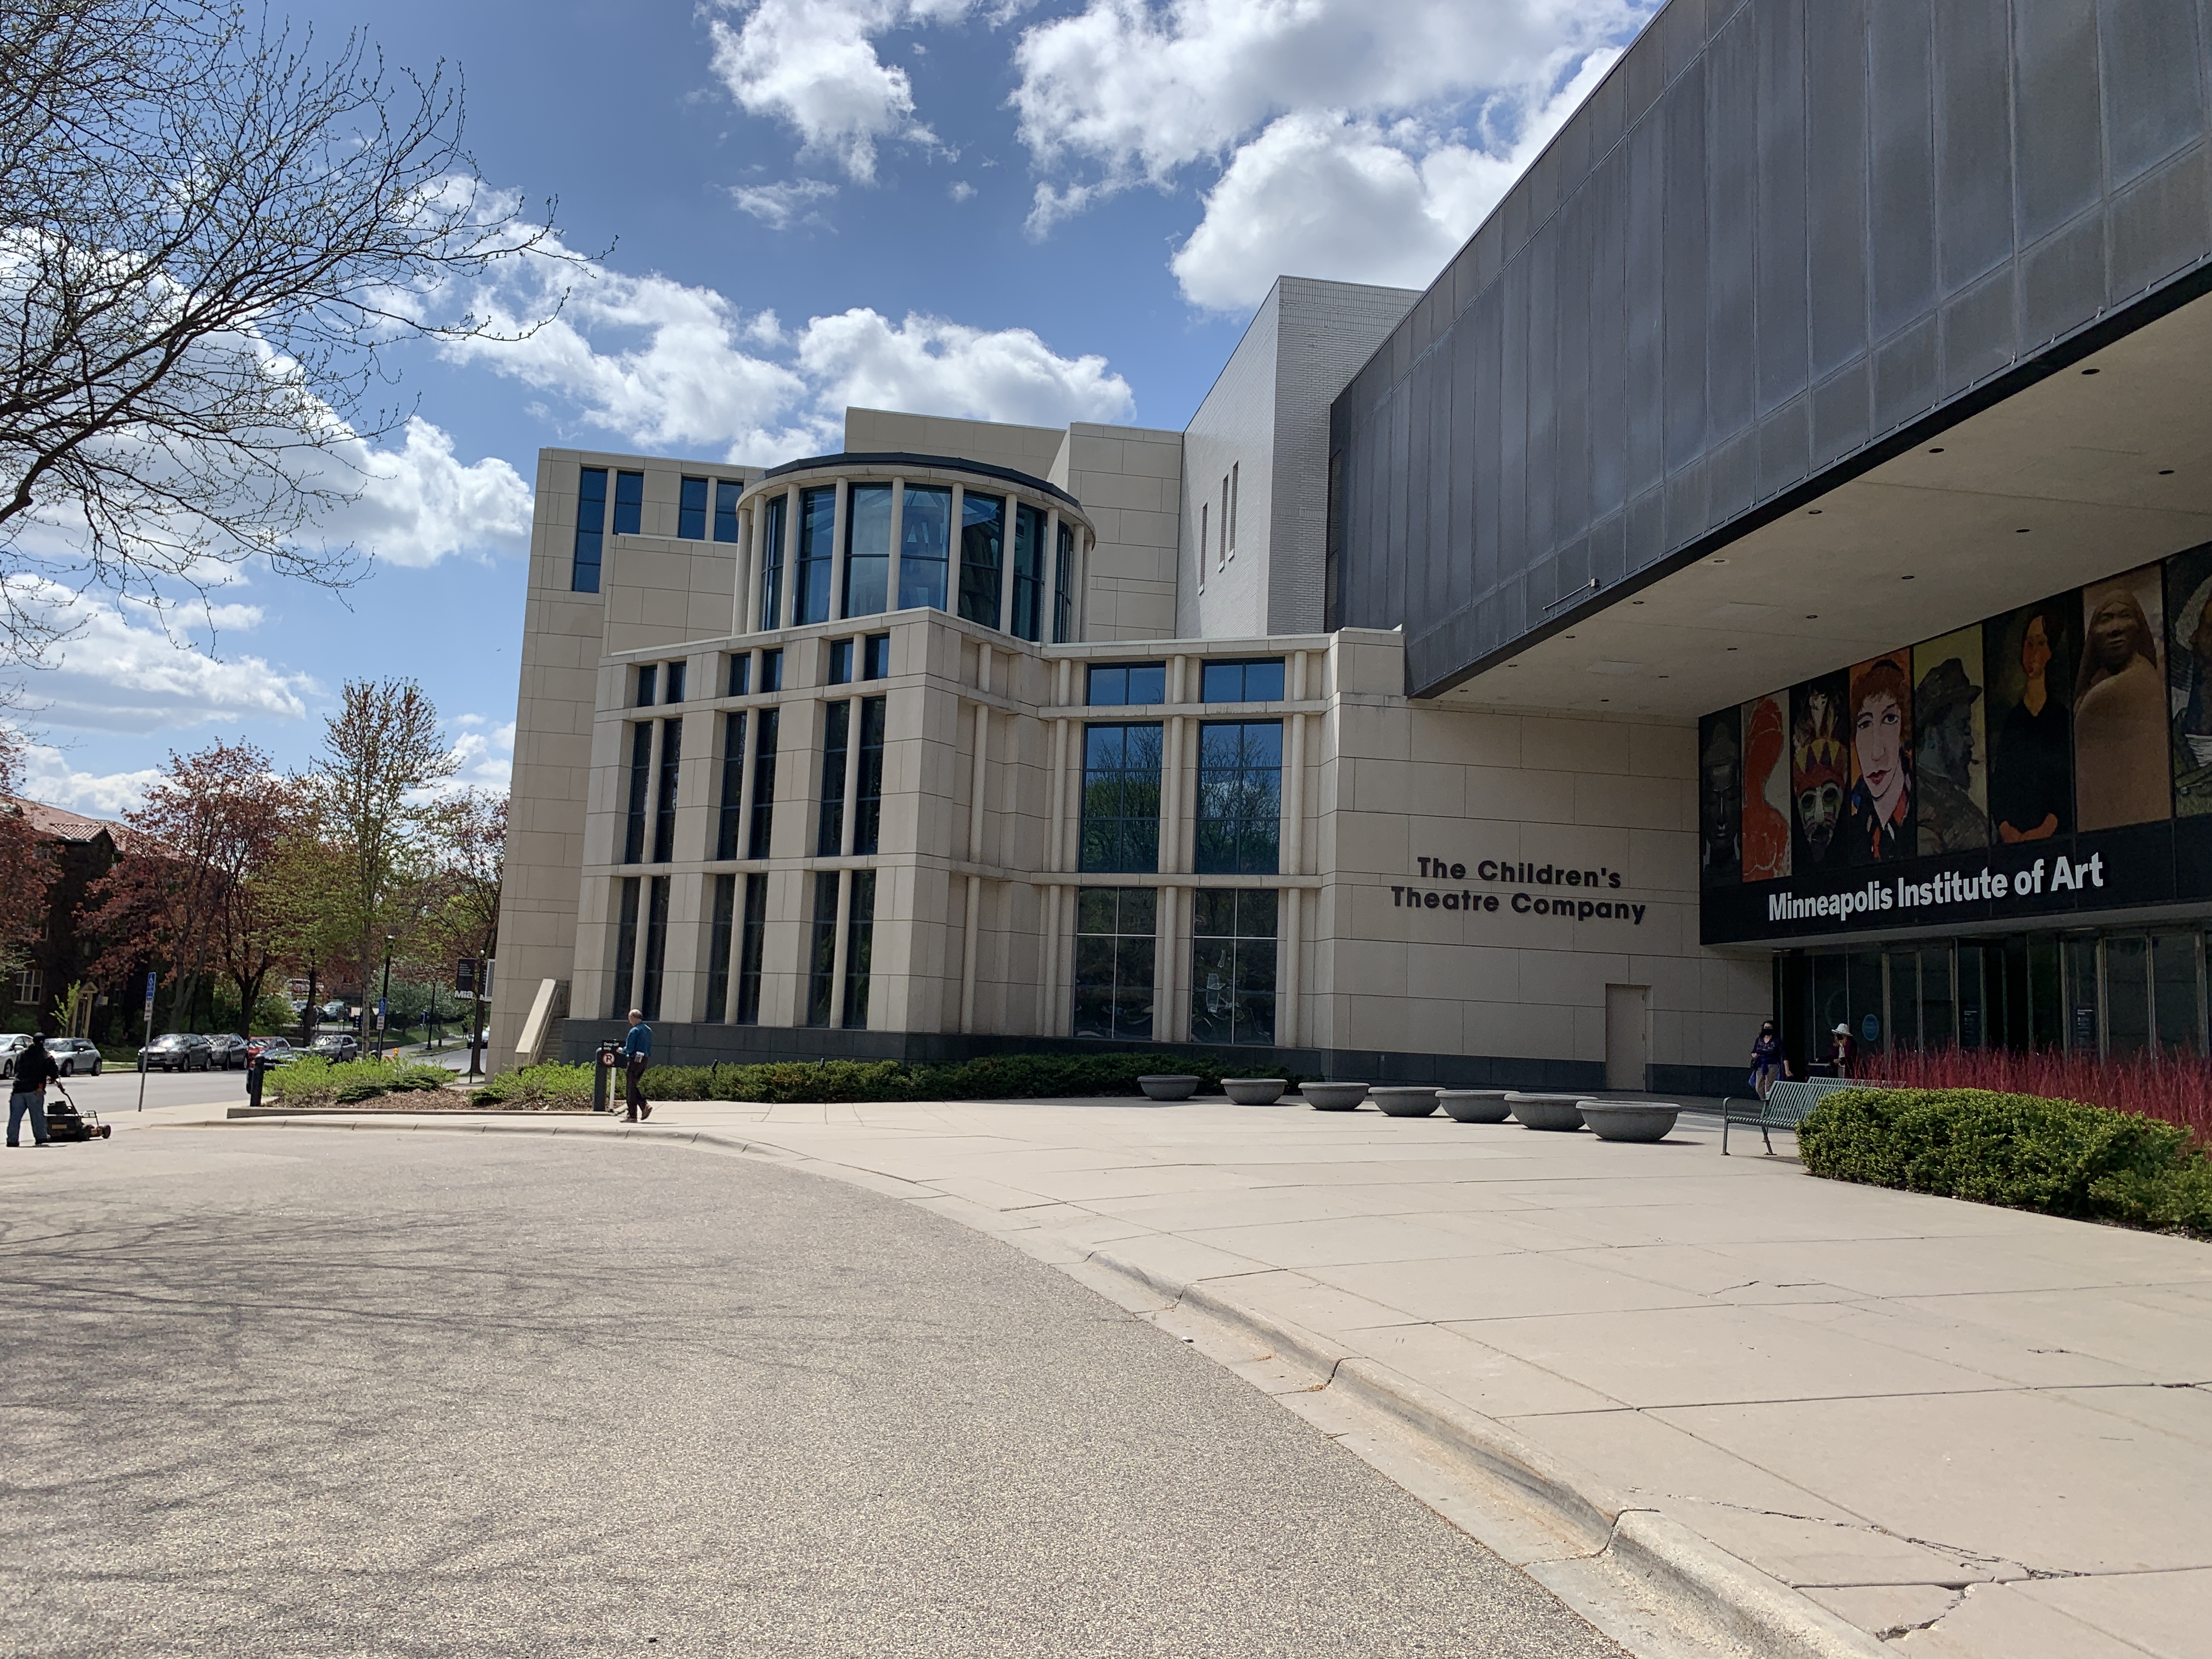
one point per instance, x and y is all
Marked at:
(281, 1392)
(115, 1090)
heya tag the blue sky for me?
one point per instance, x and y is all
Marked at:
(1038, 213)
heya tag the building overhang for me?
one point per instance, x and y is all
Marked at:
(2088, 465)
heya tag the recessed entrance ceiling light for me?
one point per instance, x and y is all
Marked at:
(2093, 371)
(1812, 616)
(1720, 561)
(1812, 512)
(1906, 577)
(1938, 450)
(2023, 531)
(2166, 473)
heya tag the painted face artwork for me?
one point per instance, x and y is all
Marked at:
(1878, 738)
(1766, 790)
(1818, 771)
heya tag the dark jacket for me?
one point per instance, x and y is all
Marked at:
(34, 1070)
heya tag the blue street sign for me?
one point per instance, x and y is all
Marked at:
(149, 994)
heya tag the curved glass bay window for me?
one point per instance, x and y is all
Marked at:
(996, 547)
(817, 529)
(924, 548)
(867, 550)
(982, 556)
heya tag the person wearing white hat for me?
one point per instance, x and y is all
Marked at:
(1844, 1051)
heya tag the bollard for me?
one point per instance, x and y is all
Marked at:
(253, 1081)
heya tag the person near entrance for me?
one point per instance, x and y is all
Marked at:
(1843, 1053)
(34, 1070)
(637, 1055)
(1768, 1063)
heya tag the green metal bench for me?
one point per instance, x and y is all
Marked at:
(1787, 1105)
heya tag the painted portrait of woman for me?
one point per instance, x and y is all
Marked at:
(2122, 765)
(2030, 653)
(1881, 737)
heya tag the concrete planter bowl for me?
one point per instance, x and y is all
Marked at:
(1333, 1096)
(1476, 1105)
(1631, 1120)
(1405, 1101)
(1562, 1113)
(1167, 1087)
(1254, 1091)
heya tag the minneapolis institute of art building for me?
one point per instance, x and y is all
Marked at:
(1767, 573)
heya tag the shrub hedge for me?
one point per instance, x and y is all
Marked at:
(994, 1076)
(2024, 1152)
(316, 1081)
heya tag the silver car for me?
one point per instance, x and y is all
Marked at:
(12, 1044)
(75, 1056)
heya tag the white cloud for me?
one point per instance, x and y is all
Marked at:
(1324, 195)
(49, 777)
(120, 671)
(417, 504)
(931, 367)
(667, 365)
(812, 64)
(777, 206)
(483, 755)
(962, 190)
(1143, 90)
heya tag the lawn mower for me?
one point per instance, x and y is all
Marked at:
(64, 1121)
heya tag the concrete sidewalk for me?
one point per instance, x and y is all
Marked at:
(1968, 1432)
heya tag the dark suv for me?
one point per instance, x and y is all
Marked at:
(177, 1051)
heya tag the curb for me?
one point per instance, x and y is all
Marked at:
(1718, 1590)
(1723, 1591)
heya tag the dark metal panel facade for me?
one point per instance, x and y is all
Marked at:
(1780, 237)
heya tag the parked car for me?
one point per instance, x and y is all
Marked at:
(12, 1044)
(229, 1051)
(75, 1056)
(177, 1051)
(335, 1045)
(271, 1051)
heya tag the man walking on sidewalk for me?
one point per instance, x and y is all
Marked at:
(34, 1070)
(637, 1055)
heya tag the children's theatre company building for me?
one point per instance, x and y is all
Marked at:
(1766, 571)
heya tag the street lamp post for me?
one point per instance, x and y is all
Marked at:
(384, 997)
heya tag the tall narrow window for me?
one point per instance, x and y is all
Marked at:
(1063, 587)
(840, 662)
(876, 657)
(867, 550)
(741, 674)
(1240, 797)
(925, 540)
(982, 556)
(1222, 552)
(629, 503)
(751, 939)
(1121, 798)
(772, 516)
(868, 788)
(656, 948)
(837, 738)
(1029, 570)
(1331, 604)
(641, 786)
(772, 670)
(734, 785)
(591, 530)
(648, 685)
(1232, 966)
(1235, 468)
(860, 941)
(675, 678)
(1205, 540)
(821, 948)
(625, 948)
(664, 798)
(756, 839)
(691, 510)
(1114, 928)
(817, 531)
(726, 491)
(719, 930)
